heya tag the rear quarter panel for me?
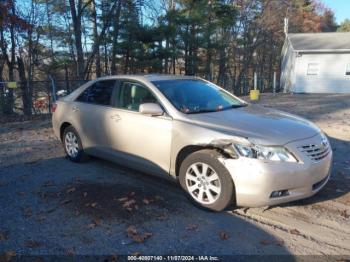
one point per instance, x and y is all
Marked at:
(64, 114)
(64, 110)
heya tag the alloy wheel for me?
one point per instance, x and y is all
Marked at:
(71, 143)
(203, 183)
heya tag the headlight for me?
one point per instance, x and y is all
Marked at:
(265, 153)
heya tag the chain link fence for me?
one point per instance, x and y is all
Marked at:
(20, 100)
(243, 85)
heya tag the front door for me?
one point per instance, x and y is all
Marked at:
(142, 140)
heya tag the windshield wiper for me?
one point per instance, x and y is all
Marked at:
(215, 110)
(234, 106)
(202, 111)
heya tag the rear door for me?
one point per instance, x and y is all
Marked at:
(90, 113)
(143, 141)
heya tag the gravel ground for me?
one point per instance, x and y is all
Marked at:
(51, 206)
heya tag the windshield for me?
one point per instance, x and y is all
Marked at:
(196, 96)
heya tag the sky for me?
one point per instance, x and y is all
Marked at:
(341, 9)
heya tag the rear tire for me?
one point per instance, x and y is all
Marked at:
(207, 181)
(73, 146)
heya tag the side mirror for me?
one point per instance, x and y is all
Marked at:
(152, 109)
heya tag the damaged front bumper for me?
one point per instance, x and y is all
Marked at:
(256, 181)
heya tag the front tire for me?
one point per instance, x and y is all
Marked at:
(73, 146)
(206, 180)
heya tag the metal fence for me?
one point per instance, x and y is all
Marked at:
(38, 93)
(41, 96)
(243, 85)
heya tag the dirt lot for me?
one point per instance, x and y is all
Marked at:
(51, 206)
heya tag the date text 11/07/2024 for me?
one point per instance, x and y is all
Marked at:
(173, 258)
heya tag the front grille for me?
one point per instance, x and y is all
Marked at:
(316, 152)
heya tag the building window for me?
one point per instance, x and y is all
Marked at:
(347, 71)
(312, 69)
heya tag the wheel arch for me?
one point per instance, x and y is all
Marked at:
(218, 153)
(63, 126)
(189, 149)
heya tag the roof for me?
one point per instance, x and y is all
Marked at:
(320, 42)
(149, 77)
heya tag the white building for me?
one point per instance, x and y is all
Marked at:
(316, 63)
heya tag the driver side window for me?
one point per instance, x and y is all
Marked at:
(132, 95)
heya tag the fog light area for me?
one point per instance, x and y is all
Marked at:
(280, 193)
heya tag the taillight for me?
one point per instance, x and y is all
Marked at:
(53, 108)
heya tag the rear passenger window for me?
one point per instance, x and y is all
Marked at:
(99, 93)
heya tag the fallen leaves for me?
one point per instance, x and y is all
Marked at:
(7, 255)
(122, 199)
(344, 214)
(95, 222)
(32, 244)
(70, 190)
(295, 232)
(272, 242)
(148, 200)
(223, 235)
(132, 232)
(265, 242)
(129, 204)
(93, 205)
(192, 227)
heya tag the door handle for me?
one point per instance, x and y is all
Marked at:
(75, 109)
(116, 117)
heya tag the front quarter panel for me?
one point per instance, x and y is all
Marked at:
(188, 134)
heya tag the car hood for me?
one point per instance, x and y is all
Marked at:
(259, 124)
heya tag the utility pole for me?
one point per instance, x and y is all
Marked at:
(286, 25)
(255, 81)
(274, 82)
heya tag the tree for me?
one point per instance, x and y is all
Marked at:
(77, 10)
(225, 41)
(344, 26)
(9, 23)
(328, 23)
